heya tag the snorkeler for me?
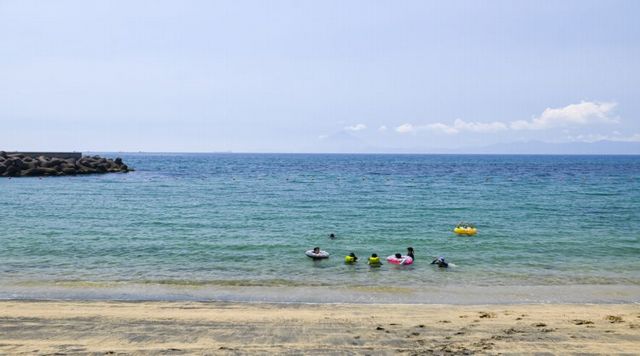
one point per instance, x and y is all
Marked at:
(351, 258)
(440, 262)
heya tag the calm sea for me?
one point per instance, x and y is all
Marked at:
(236, 226)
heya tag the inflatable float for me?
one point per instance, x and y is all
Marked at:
(465, 229)
(403, 260)
(318, 255)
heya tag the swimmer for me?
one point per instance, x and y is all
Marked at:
(410, 253)
(317, 253)
(351, 258)
(374, 261)
(399, 259)
(332, 236)
(440, 262)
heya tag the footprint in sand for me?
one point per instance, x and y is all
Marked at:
(512, 331)
(581, 322)
(487, 315)
(614, 319)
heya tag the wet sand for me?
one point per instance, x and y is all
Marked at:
(72, 327)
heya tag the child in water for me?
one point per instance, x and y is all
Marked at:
(351, 258)
(410, 253)
(440, 262)
(374, 260)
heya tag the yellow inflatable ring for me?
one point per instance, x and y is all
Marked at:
(465, 230)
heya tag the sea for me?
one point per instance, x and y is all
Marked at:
(235, 227)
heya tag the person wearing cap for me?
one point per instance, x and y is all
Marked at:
(440, 262)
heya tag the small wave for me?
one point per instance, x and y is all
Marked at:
(170, 282)
(231, 283)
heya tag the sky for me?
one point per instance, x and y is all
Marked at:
(316, 76)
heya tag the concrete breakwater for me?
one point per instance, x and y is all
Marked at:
(30, 164)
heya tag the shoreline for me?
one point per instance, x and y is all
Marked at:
(258, 328)
(362, 295)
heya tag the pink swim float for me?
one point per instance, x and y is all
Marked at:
(403, 260)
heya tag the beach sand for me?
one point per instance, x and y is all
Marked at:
(72, 327)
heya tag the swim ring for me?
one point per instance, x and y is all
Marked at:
(321, 254)
(465, 230)
(404, 260)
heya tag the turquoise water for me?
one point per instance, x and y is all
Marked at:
(216, 226)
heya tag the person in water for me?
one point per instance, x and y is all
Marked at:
(332, 236)
(374, 260)
(400, 259)
(440, 262)
(410, 253)
(351, 258)
(317, 254)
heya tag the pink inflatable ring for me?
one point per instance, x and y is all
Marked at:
(403, 260)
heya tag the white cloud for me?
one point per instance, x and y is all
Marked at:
(438, 126)
(405, 128)
(461, 125)
(585, 112)
(382, 128)
(322, 137)
(632, 138)
(457, 126)
(357, 127)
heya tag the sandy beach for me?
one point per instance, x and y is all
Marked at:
(72, 327)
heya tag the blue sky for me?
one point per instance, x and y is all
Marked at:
(314, 76)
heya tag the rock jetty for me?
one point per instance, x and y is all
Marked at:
(42, 164)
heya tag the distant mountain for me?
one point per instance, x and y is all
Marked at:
(539, 147)
(343, 142)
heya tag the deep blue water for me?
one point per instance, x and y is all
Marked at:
(226, 221)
